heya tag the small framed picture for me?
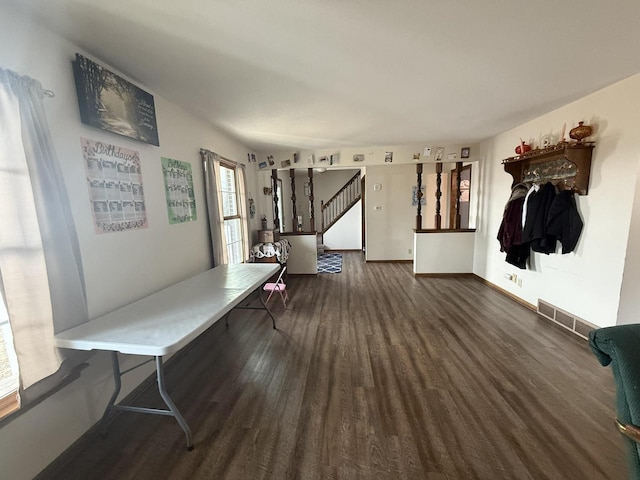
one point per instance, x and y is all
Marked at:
(296, 157)
(333, 159)
(465, 152)
(416, 156)
(358, 157)
(388, 157)
(262, 165)
(270, 160)
(323, 159)
(285, 163)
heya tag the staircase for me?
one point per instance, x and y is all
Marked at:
(334, 209)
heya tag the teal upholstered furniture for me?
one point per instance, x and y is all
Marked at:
(620, 347)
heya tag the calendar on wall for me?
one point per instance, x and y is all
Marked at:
(178, 186)
(116, 192)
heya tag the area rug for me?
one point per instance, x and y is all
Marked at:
(329, 262)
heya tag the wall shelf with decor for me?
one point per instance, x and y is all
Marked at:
(568, 164)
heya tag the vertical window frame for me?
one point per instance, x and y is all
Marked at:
(234, 168)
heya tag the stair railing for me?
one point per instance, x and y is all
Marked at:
(340, 203)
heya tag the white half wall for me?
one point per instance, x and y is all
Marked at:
(443, 252)
(586, 283)
(303, 258)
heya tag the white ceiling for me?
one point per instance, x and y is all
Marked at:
(294, 74)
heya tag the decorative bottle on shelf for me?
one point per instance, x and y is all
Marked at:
(580, 132)
(264, 222)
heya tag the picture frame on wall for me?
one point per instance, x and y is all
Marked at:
(111, 103)
(465, 152)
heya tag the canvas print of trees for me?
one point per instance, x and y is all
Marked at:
(111, 103)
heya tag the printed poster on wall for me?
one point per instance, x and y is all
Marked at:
(178, 187)
(116, 193)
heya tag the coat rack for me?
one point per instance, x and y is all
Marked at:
(566, 163)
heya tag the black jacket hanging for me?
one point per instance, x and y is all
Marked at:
(535, 229)
(510, 232)
(564, 221)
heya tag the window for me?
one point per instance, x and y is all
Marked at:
(9, 399)
(231, 211)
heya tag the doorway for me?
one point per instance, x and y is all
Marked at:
(465, 197)
(279, 194)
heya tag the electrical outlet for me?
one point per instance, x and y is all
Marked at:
(410, 251)
(507, 276)
(520, 282)
(514, 278)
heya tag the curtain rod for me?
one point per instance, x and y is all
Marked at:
(224, 159)
(35, 82)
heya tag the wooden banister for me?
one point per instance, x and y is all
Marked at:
(341, 202)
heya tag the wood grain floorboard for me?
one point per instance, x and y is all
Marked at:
(373, 374)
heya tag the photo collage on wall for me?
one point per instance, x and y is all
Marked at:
(116, 191)
(178, 186)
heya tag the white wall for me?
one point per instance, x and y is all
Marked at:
(303, 257)
(587, 282)
(118, 267)
(389, 234)
(629, 307)
(346, 233)
(443, 252)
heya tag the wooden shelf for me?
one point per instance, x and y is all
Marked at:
(567, 163)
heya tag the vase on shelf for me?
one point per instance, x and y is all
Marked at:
(580, 132)
(523, 148)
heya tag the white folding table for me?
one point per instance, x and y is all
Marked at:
(166, 321)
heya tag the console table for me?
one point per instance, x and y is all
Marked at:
(166, 321)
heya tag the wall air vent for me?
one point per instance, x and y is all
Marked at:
(565, 319)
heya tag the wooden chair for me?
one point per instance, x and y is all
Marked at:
(278, 286)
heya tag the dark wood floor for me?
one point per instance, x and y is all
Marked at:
(374, 374)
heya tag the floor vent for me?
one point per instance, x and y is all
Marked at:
(565, 319)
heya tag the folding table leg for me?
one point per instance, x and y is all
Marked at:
(118, 384)
(263, 307)
(273, 320)
(173, 410)
(172, 407)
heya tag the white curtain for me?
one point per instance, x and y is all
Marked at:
(242, 200)
(213, 187)
(40, 263)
